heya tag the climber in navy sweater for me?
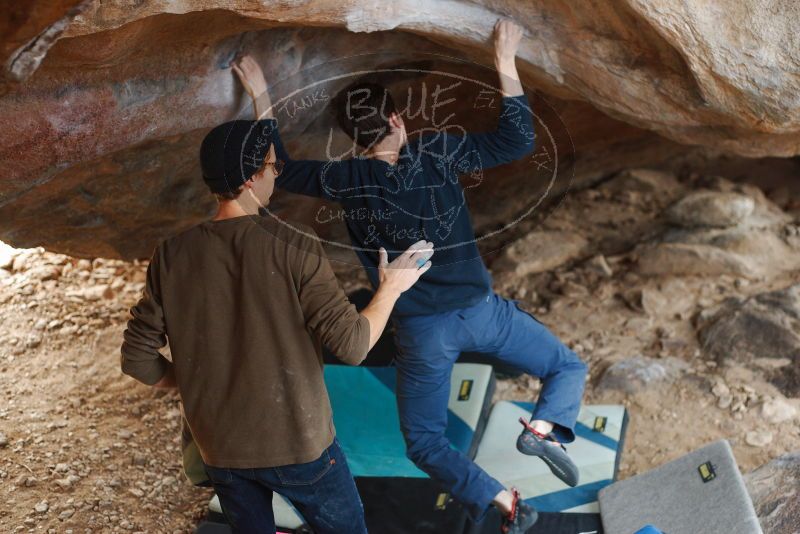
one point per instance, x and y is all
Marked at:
(397, 192)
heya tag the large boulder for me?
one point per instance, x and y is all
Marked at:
(745, 253)
(102, 157)
(540, 251)
(104, 103)
(761, 332)
(731, 230)
(683, 69)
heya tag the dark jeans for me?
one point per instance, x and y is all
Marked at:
(429, 345)
(323, 491)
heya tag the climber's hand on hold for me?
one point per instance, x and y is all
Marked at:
(254, 83)
(507, 36)
(251, 76)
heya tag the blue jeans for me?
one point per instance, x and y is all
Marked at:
(323, 491)
(429, 345)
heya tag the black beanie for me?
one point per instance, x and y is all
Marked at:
(232, 152)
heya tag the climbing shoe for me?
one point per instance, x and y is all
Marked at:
(520, 518)
(553, 453)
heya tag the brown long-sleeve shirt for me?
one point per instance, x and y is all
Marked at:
(246, 304)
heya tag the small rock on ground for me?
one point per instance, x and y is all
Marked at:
(639, 372)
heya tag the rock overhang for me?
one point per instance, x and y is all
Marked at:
(120, 80)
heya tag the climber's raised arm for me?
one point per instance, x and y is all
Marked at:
(514, 136)
(316, 178)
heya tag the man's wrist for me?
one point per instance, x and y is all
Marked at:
(262, 105)
(387, 291)
(505, 64)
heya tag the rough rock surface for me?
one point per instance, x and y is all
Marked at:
(670, 298)
(104, 102)
(763, 329)
(101, 163)
(710, 86)
(775, 490)
(639, 372)
(540, 251)
(644, 181)
(734, 230)
(711, 208)
(778, 410)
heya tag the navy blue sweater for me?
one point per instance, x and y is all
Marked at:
(420, 197)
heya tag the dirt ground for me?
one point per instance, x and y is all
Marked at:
(87, 449)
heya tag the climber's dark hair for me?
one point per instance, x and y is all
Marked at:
(362, 110)
(230, 195)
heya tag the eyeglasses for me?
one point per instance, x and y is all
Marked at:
(277, 166)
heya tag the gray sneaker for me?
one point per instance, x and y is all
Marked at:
(553, 453)
(521, 518)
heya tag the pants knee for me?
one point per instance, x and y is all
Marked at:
(423, 448)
